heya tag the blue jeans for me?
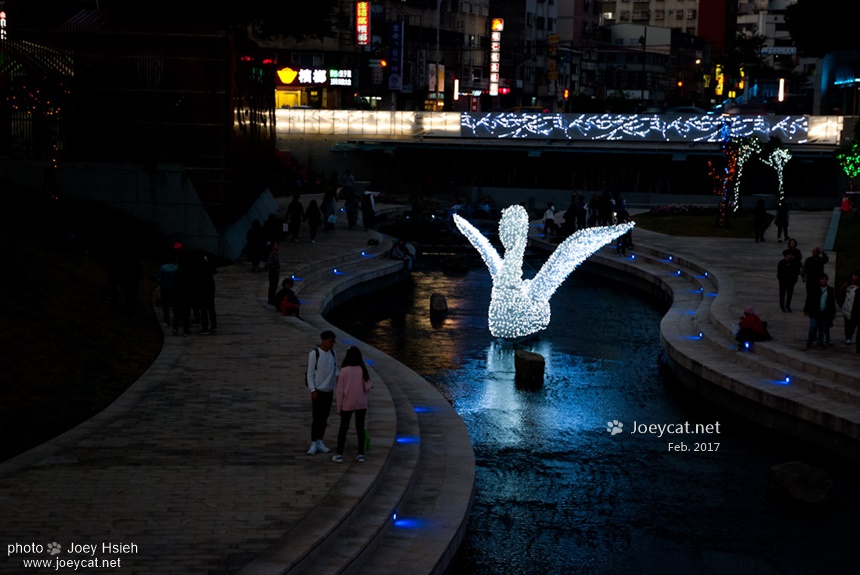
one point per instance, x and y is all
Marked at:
(819, 330)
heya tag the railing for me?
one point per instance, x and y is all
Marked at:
(651, 128)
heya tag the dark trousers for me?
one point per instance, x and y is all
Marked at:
(786, 292)
(321, 409)
(166, 303)
(208, 320)
(344, 428)
(782, 231)
(819, 329)
(312, 230)
(274, 276)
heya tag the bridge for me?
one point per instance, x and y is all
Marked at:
(355, 129)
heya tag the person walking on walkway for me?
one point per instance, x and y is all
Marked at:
(353, 385)
(813, 269)
(820, 308)
(787, 272)
(321, 378)
(295, 215)
(314, 217)
(851, 306)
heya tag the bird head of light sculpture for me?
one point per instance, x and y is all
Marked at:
(520, 307)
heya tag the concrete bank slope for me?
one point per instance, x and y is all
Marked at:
(811, 394)
(201, 466)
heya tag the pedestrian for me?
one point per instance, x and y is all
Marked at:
(787, 272)
(208, 318)
(353, 385)
(329, 210)
(851, 306)
(759, 220)
(351, 205)
(549, 228)
(368, 211)
(314, 217)
(813, 268)
(820, 308)
(321, 378)
(183, 293)
(792, 246)
(781, 221)
(166, 278)
(295, 215)
(286, 299)
(255, 245)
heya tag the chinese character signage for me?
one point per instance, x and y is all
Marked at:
(315, 77)
(495, 54)
(362, 23)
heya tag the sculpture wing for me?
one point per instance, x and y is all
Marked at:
(482, 244)
(568, 255)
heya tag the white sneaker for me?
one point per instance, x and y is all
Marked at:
(321, 446)
(337, 458)
(313, 448)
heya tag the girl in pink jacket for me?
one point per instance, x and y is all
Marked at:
(353, 385)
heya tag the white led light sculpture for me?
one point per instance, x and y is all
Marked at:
(520, 307)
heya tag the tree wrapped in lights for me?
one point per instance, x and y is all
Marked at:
(520, 307)
(745, 148)
(849, 159)
(777, 156)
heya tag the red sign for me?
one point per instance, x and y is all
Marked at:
(362, 23)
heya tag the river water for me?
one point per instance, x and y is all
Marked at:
(556, 491)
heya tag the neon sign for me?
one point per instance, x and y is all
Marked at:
(362, 23)
(315, 77)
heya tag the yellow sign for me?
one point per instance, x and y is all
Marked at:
(498, 25)
(720, 78)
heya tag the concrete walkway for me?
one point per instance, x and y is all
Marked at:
(201, 466)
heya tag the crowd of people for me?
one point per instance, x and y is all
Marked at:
(187, 291)
(823, 304)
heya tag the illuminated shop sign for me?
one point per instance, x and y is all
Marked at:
(496, 27)
(315, 77)
(362, 23)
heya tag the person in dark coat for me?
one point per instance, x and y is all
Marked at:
(314, 217)
(787, 272)
(295, 215)
(255, 246)
(820, 308)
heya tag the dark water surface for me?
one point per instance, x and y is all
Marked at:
(556, 492)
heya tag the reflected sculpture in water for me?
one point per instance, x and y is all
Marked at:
(520, 307)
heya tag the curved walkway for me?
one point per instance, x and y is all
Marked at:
(201, 466)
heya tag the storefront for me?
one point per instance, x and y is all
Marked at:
(322, 88)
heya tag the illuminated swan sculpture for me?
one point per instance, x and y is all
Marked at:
(520, 307)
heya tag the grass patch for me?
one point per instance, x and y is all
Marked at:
(847, 246)
(697, 222)
(66, 352)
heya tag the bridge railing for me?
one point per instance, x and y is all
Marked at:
(651, 128)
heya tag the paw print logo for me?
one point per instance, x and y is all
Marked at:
(53, 548)
(614, 427)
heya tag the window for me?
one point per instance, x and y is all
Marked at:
(658, 14)
(308, 60)
(540, 22)
(691, 14)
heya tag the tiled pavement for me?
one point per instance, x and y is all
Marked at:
(201, 465)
